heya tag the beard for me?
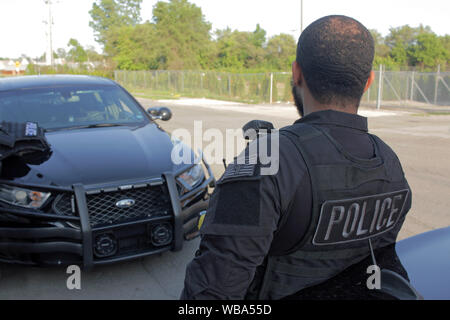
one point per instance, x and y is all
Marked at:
(298, 99)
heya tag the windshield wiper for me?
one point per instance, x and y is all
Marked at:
(103, 125)
(89, 126)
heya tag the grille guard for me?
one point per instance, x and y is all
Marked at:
(80, 241)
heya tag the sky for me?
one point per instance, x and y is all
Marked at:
(22, 28)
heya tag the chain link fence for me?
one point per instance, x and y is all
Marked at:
(390, 88)
(409, 88)
(249, 88)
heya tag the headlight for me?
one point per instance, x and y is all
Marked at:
(192, 177)
(23, 197)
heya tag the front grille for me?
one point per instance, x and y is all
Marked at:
(151, 201)
(64, 204)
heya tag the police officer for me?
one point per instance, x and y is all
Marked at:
(339, 190)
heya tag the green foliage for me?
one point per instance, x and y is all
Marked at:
(134, 47)
(274, 91)
(60, 53)
(33, 69)
(287, 92)
(280, 52)
(179, 38)
(418, 48)
(237, 86)
(236, 50)
(76, 52)
(183, 35)
(110, 15)
(428, 51)
(258, 38)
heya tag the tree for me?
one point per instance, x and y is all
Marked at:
(259, 37)
(61, 53)
(110, 15)
(445, 40)
(178, 37)
(183, 34)
(381, 48)
(136, 48)
(428, 51)
(401, 39)
(280, 52)
(76, 51)
(238, 50)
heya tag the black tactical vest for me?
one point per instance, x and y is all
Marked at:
(354, 200)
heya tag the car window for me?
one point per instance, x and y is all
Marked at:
(65, 107)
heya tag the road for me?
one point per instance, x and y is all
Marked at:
(421, 141)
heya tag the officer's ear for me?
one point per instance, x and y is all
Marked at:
(297, 73)
(370, 81)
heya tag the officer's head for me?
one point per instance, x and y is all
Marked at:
(333, 67)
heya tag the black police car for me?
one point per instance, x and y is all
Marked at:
(106, 189)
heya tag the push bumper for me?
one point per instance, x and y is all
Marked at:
(43, 238)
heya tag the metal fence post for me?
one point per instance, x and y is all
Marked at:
(380, 88)
(437, 84)
(182, 81)
(412, 86)
(168, 80)
(407, 86)
(145, 79)
(271, 87)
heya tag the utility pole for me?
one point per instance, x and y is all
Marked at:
(301, 16)
(380, 88)
(49, 55)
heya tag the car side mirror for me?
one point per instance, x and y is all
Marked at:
(160, 113)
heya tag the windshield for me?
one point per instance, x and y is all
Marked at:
(70, 107)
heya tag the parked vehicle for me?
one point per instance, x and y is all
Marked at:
(106, 189)
(426, 259)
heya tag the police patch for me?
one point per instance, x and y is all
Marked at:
(243, 166)
(239, 170)
(351, 220)
(31, 129)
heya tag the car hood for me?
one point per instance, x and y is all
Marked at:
(103, 155)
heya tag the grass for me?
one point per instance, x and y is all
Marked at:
(439, 113)
(152, 95)
(428, 114)
(167, 95)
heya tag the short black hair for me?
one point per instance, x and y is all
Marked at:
(336, 55)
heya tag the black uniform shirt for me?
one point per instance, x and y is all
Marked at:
(251, 217)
